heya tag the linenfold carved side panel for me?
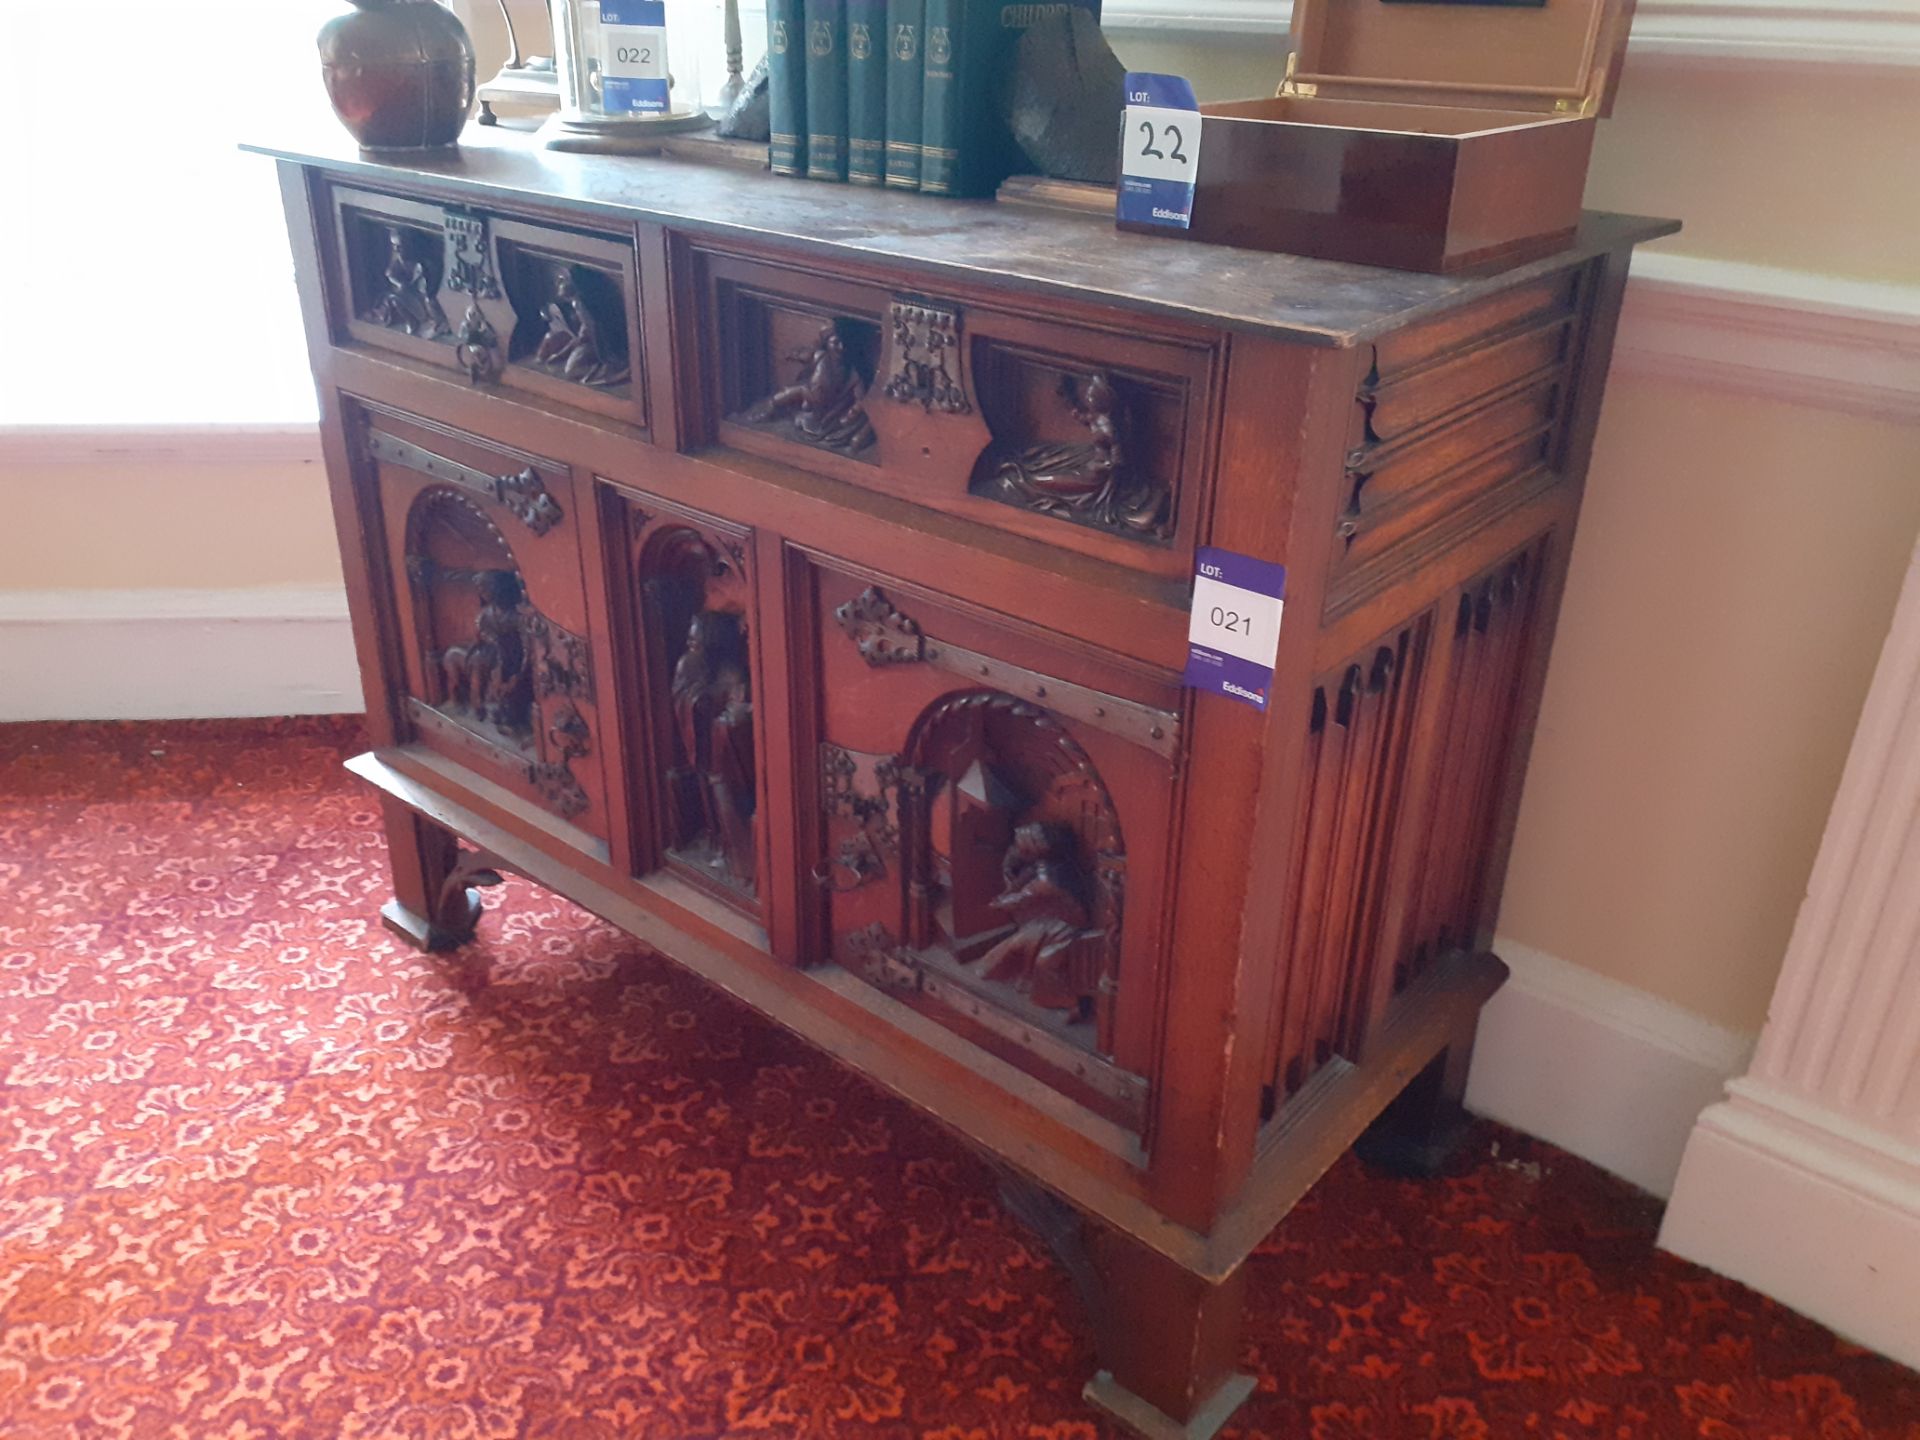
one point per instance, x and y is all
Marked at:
(1360, 743)
(1492, 626)
(1408, 756)
(693, 601)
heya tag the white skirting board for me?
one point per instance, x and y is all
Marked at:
(1611, 1073)
(176, 654)
(1807, 1206)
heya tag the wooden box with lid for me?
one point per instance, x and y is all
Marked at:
(797, 577)
(1425, 135)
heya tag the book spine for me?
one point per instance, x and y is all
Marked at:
(906, 23)
(867, 91)
(967, 148)
(941, 97)
(826, 89)
(787, 87)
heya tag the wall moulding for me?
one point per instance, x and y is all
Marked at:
(1876, 33)
(23, 448)
(1789, 335)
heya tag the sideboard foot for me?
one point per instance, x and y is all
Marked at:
(1417, 1134)
(1144, 1420)
(435, 905)
(1168, 1340)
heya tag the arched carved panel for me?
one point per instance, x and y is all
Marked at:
(1014, 861)
(471, 609)
(1006, 850)
(695, 605)
(491, 665)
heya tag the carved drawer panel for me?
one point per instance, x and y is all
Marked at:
(1458, 331)
(488, 611)
(683, 588)
(505, 302)
(988, 831)
(1084, 437)
(1459, 418)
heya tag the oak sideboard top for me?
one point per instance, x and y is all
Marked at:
(1318, 302)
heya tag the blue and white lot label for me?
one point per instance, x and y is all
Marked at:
(1159, 151)
(633, 56)
(1233, 635)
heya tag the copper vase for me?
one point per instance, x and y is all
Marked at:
(399, 73)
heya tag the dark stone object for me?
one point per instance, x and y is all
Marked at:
(399, 73)
(1064, 99)
(748, 118)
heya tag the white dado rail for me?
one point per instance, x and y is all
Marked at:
(1847, 32)
(1805, 1181)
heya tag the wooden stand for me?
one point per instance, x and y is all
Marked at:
(815, 609)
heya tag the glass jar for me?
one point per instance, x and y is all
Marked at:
(629, 73)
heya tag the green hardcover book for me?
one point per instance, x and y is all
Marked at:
(940, 98)
(826, 89)
(906, 20)
(867, 91)
(966, 148)
(787, 87)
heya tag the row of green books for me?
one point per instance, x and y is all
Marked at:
(902, 93)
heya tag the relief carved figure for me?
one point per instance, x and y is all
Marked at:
(695, 600)
(823, 403)
(1045, 895)
(1011, 859)
(496, 666)
(572, 348)
(1089, 480)
(489, 677)
(478, 346)
(410, 304)
(713, 778)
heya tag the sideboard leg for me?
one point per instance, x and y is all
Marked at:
(434, 906)
(1418, 1133)
(1168, 1342)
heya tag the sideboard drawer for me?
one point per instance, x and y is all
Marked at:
(1088, 437)
(554, 312)
(488, 610)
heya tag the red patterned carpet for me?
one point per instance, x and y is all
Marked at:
(264, 1174)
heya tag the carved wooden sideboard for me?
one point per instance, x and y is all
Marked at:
(797, 577)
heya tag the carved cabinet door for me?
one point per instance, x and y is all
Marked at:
(489, 611)
(990, 829)
(684, 589)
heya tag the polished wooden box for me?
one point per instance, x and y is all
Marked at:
(797, 578)
(1427, 135)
